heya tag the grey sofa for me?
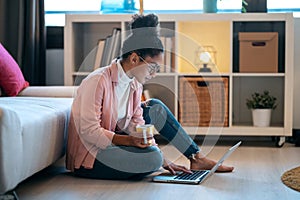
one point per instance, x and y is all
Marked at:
(33, 128)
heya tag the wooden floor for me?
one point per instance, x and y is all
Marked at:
(258, 167)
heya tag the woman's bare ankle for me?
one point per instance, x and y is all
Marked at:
(201, 162)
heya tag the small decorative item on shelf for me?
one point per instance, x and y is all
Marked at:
(261, 105)
(254, 6)
(119, 6)
(129, 6)
(205, 57)
(141, 10)
(244, 6)
(210, 6)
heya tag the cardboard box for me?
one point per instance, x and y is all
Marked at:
(258, 52)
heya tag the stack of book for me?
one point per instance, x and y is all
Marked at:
(108, 49)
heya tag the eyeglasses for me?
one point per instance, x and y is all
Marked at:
(152, 67)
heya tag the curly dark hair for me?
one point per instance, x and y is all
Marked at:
(141, 21)
(144, 37)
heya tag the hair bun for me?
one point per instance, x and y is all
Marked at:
(141, 21)
(143, 38)
(144, 25)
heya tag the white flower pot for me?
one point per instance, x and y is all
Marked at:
(261, 117)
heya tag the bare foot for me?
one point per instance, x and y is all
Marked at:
(206, 164)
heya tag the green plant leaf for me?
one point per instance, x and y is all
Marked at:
(261, 101)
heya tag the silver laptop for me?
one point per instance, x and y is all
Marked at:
(197, 176)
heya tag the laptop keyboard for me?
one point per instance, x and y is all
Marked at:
(193, 176)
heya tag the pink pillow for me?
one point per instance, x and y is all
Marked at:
(11, 78)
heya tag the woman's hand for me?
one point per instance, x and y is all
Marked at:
(134, 139)
(137, 140)
(171, 167)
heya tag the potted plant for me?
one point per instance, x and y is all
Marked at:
(255, 6)
(261, 105)
(210, 6)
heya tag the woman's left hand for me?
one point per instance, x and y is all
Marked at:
(172, 167)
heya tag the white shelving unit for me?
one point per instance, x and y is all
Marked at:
(191, 31)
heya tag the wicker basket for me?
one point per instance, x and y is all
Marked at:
(203, 101)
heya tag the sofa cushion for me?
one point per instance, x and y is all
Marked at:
(33, 133)
(11, 78)
(49, 91)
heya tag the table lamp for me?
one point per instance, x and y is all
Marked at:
(205, 58)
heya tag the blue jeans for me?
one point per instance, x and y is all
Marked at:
(123, 162)
(157, 113)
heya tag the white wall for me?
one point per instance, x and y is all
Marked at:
(296, 105)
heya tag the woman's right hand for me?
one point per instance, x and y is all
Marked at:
(137, 140)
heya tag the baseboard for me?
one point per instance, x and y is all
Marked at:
(265, 140)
